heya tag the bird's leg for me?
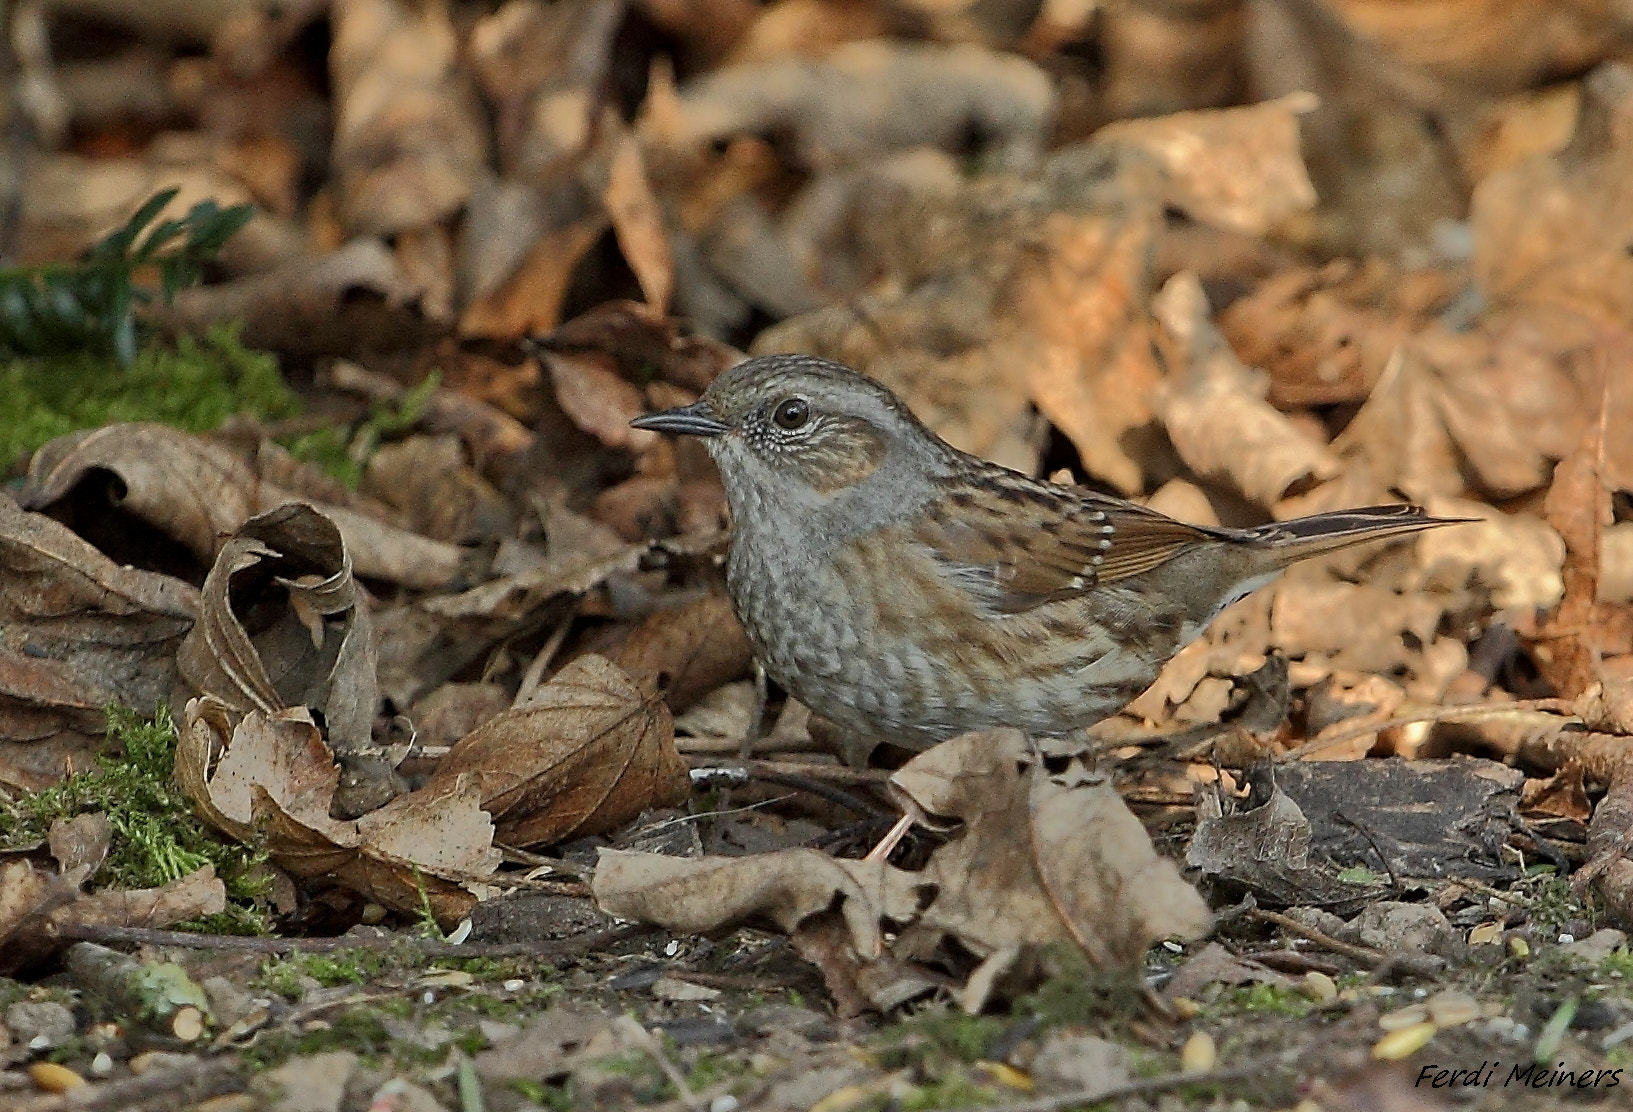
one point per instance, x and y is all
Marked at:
(911, 813)
(756, 716)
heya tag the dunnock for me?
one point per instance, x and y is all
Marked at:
(911, 592)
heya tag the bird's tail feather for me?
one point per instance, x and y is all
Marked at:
(1304, 537)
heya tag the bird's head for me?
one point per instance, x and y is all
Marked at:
(797, 428)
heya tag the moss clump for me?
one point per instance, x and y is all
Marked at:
(195, 386)
(343, 452)
(156, 836)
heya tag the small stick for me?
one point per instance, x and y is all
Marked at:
(833, 774)
(1363, 954)
(541, 660)
(1430, 714)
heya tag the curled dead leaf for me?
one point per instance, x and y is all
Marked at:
(198, 491)
(272, 780)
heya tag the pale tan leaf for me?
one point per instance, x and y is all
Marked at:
(1215, 408)
(1237, 168)
(638, 223)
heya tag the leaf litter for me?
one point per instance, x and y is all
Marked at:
(433, 690)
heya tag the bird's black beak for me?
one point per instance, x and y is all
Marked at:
(696, 419)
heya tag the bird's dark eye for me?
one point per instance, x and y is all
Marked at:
(791, 413)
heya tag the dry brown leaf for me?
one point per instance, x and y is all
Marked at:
(1042, 858)
(584, 754)
(439, 493)
(272, 780)
(350, 300)
(530, 300)
(545, 68)
(599, 400)
(409, 137)
(641, 340)
(83, 840)
(1215, 408)
(687, 651)
(199, 492)
(1083, 337)
(855, 102)
(78, 633)
(1238, 169)
(638, 223)
(1359, 624)
(28, 896)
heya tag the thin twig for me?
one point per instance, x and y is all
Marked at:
(833, 774)
(541, 659)
(548, 949)
(1363, 954)
(1429, 714)
(845, 799)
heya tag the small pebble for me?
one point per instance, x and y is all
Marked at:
(1401, 1018)
(1452, 1008)
(373, 914)
(1519, 947)
(725, 1102)
(1320, 987)
(1199, 1053)
(1185, 1007)
(102, 1064)
(1485, 933)
(515, 984)
(1566, 938)
(52, 1078)
(1404, 1042)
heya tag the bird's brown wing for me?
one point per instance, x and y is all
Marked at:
(1020, 545)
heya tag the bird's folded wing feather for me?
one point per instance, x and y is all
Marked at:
(1033, 544)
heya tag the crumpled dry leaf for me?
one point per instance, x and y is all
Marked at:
(854, 102)
(1042, 859)
(1359, 625)
(583, 754)
(1267, 852)
(409, 135)
(1079, 305)
(544, 66)
(199, 492)
(36, 903)
(1215, 408)
(1239, 169)
(440, 495)
(313, 645)
(353, 299)
(271, 780)
(704, 894)
(78, 633)
(1517, 556)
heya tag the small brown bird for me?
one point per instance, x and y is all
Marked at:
(911, 592)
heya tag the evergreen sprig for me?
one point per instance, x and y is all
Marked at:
(91, 304)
